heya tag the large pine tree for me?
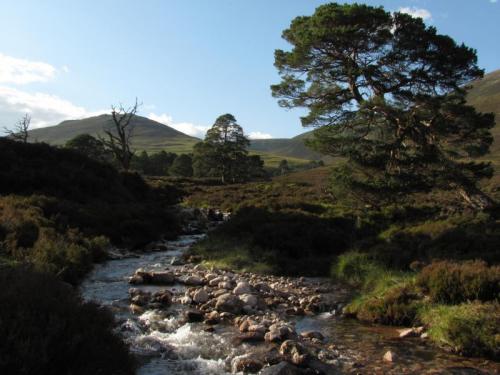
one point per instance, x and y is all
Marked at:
(388, 93)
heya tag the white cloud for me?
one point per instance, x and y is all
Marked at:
(259, 135)
(416, 12)
(45, 109)
(493, 1)
(21, 71)
(184, 127)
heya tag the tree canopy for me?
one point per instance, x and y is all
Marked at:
(223, 153)
(388, 93)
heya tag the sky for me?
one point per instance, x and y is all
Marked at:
(187, 61)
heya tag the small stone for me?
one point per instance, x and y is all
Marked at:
(389, 356)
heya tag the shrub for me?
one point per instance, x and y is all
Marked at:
(46, 329)
(469, 329)
(453, 282)
(398, 305)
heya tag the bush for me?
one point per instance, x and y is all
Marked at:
(397, 305)
(46, 329)
(453, 282)
(469, 329)
(28, 236)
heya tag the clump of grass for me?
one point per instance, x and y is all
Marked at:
(471, 329)
(388, 297)
(456, 282)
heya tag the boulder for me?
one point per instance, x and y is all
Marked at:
(162, 278)
(294, 352)
(164, 297)
(247, 364)
(242, 288)
(192, 280)
(229, 303)
(249, 300)
(193, 315)
(278, 333)
(200, 296)
(282, 368)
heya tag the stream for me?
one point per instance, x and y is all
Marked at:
(165, 343)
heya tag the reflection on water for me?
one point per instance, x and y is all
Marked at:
(165, 345)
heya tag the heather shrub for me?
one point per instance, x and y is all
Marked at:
(47, 329)
(456, 282)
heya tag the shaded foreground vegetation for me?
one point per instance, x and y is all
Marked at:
(46, 329)
(59, 209)
(60, 212)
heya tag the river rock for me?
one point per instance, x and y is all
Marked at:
(164, 297)
(278, 333)
(294, 352)
(247, 364)
(200, 296)
(389, 356)
(194, 315)
(226, 285)
(282, 368)
(215, 281)
(242, 288)
(254, 336)
(249, 300)
(136, 309)
(313, 335)
(192, 280)
(229, 303)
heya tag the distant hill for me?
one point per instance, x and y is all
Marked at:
(153, 136)
(150, 135)
(485, 96)
(287, 147)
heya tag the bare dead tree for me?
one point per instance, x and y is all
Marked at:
(21, 129)
(118, 137)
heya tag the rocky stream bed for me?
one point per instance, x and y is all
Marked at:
(180, 318)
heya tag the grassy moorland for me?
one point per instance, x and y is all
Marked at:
(413, 264)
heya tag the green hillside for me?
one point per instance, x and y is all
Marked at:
(485, 96)
(286, 147)
(149, 135)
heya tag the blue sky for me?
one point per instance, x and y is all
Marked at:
(188, 61)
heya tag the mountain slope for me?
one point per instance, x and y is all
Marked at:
(485, 96)
(149, 135)
(286, 147)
